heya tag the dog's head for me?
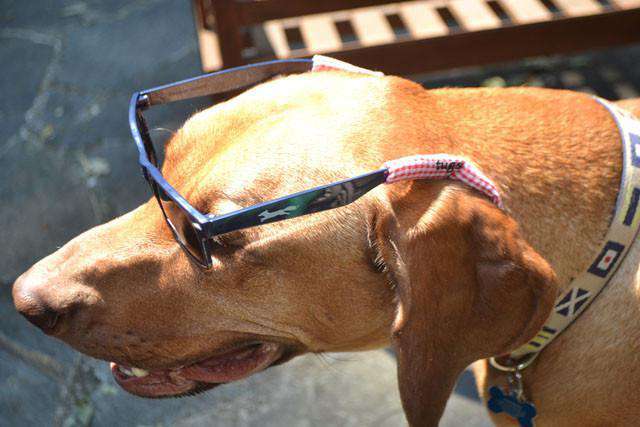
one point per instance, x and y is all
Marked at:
(430, 266)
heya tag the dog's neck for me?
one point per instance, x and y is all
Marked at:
(560, 190)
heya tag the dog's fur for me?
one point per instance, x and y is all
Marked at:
(431, 267)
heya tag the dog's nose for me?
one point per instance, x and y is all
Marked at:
(29, 300)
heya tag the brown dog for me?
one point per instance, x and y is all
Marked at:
(432, 267)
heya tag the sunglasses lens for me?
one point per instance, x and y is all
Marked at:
(183, 229)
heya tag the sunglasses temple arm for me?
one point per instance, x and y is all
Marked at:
(223, 81)
(315, 200)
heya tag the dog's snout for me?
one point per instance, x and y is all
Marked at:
(31, 300)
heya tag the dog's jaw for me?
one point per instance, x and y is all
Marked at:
(224, 368)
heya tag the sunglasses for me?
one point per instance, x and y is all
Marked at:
(194, 231)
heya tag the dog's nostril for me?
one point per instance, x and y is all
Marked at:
(34, 308)
(44, 318)
(38, 313)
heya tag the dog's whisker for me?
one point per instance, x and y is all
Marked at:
(334, 358)
(323, 360)
(159, 129)
(330, 362)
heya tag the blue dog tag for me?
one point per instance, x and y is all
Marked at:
(510, 404)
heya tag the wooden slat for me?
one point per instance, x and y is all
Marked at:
(319, 33)
(579, 7)
(208, 40)
(371, 27)
(627, 4)
(572, 78)
(587, 89)
(526, 11)
(228, 31)
(474, 15)
(626, 90)
(209, 50)
(422, 20)
(275, 34)
(256, 11)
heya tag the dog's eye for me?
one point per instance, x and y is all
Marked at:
(217, 242)
(163, 195)
(189, 235)
(227, 243)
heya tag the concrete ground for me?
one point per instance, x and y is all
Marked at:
(67, 163)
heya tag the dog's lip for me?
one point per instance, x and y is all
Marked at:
(229, 366)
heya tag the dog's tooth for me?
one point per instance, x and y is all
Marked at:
(125, 371)
(139, 372)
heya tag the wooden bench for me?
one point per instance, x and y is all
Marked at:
(409, 37)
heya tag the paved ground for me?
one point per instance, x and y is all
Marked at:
(67, 163)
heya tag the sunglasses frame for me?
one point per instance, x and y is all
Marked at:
(206, 226)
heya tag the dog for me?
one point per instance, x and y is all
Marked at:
(431, 267)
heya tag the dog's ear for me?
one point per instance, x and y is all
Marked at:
(469, 287)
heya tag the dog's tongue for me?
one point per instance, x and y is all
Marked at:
(231, 366)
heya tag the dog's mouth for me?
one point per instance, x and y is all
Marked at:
(208, 373)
